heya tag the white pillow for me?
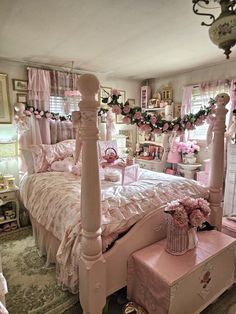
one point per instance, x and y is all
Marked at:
(64, 165)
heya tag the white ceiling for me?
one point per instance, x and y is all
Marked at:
(125, 38)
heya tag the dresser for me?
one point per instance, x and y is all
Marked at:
(230, 181)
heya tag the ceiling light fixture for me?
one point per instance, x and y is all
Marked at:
(222, 29)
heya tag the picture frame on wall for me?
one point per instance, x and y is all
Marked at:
(131, 102)
(22, 98)
(119, 118)
(5, 108)
(103, 93)
(20, 85)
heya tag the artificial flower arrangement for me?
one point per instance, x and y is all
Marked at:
(189, 147)
(188, 212)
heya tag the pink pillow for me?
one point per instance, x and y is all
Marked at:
(58, 151)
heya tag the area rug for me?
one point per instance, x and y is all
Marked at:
(32, 287)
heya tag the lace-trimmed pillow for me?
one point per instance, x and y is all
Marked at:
(58, 151)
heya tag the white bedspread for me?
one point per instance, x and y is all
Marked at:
(53, 200)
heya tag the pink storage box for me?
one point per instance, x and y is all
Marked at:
(229, 227)
(202, 177)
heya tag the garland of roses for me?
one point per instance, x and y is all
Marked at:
(145, 121)
(151, 122)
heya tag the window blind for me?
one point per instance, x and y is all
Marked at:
(64, 105)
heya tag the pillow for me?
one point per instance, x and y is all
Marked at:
(64, 165)
(28, 159)
(58, 151)
(40, 164)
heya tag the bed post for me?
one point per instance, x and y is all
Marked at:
(217, 162)
(92, 278)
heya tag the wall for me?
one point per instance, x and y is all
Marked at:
(224, 70)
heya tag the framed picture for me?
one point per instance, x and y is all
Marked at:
(5, 108)
(131, 102)
(21, 98)
(104, 92)
(20, 85)
(119, 118)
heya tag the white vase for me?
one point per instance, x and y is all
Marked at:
(189, 159)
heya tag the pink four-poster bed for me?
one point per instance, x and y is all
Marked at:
(103, 272)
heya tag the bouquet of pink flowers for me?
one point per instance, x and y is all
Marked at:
(188, 212)
(188, 147)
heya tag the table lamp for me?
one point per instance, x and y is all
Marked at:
(8, 150)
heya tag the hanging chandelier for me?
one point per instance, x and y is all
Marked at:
(222, 30)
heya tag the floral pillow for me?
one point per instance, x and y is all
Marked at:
(58, 151)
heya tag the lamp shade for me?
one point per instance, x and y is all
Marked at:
(8, 149)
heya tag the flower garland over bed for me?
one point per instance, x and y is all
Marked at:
(145, 121)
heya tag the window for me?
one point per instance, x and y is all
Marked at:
(64, 105)
(201, 131)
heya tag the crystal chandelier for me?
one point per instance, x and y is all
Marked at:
(222, 30)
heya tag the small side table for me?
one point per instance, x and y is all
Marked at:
(189, 169)
(7, 196)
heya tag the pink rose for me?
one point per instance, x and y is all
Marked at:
(127, 120)
(165, 127)
(48, 115)
(126, 109)
(116, 109)
(180, 217)
(36, 112)
(188, 125)
(31, 109)
(153, 119)
(28, 113)
(38, 116)
(196, 218)
(157, 131)
(175, 127)
(138, 115)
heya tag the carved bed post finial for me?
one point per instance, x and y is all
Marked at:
(92, 276)
(217, 161)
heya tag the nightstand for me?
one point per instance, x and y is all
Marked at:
(9, 196)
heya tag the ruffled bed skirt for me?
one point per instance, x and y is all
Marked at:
(48, 246)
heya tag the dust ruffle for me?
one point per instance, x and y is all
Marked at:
(48, 246)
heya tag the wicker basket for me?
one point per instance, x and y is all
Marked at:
(180, 240)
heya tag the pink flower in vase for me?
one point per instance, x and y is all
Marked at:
(153, 119)
(165, 127)
(138, 115)
(196, 218)
(180, 217)
(116, 109)
(126, 120)
(126, 109)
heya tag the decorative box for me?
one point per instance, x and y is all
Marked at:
(202, 177)
(160, 282)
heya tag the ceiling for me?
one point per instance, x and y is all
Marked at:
(133, 39)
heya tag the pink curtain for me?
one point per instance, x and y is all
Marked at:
(186, 100)
(61, 130)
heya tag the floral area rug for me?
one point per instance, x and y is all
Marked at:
(32, 287)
